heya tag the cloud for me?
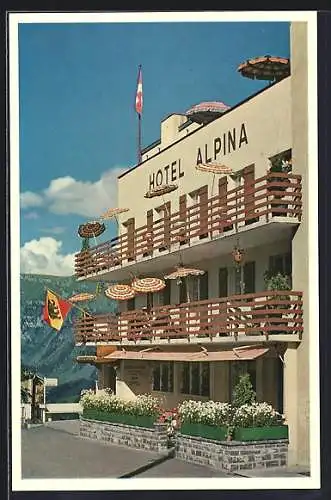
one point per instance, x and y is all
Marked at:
(31, 215)
(44, 256)
(29, 199)
(54, 230)
(66, 195)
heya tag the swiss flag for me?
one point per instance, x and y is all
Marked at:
(139, 94)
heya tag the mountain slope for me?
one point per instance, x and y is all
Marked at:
(52, 353)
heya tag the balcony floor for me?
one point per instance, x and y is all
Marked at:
(259, 233)
(242, 340)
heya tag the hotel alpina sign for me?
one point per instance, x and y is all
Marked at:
(225, 144)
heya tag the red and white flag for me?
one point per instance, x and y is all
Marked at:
(139, 94)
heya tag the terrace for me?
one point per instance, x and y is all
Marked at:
(270, 204)
(254, 317)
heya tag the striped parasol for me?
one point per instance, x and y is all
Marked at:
(214, 168)
(113, 212)
(205, 112)
(161, 190)
(120, 292)
(81, 297)
(148, 285)
(183, 272)
(265, 68)
(91, 229)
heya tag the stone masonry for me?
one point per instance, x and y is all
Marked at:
(154, 439)
(232, 456)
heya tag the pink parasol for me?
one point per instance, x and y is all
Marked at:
(206, 112)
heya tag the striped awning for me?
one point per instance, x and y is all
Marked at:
(236, 354)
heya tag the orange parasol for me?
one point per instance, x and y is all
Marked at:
(148, 285)
(81, 297)
(265, 68)
(120, 292)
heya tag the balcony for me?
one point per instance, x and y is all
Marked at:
(248, 318)
(272, 200)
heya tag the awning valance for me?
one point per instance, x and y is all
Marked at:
(236, 354)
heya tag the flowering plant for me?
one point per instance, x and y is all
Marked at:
(257, 415)
(143, 405)
(209, 412)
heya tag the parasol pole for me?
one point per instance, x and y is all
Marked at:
(67, 300)
(139, 137)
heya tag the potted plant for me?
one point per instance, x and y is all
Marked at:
(105, 406)
(281, 165)
(277, 282)
(258, 421)
(208, 419)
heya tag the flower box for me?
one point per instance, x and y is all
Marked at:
(204, 431)
(260, 433)
(120, 418)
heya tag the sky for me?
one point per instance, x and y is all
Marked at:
(77, 122)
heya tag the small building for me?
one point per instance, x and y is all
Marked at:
(193, 339)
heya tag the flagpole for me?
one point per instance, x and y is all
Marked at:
(139, 137)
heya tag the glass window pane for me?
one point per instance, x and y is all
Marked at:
(171, 377)
(185, 379)
(195, 379)
(164, 377)
(205, 379)
(156, 378)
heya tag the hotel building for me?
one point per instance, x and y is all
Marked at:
(194, 338)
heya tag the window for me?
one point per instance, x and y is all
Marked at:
(163, 377)
(238, 368)
(195, 378)
(281, 263)
(223, 282)
(131, 304)
(249, 277)
(197, 286)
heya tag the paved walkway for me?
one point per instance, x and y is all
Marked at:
(55, 450)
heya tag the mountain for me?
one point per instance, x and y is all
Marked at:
(51, 353)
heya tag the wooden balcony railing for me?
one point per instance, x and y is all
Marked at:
(260, 314)
(276, 194)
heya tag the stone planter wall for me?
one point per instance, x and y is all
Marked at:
(232, 456)
(153, 439)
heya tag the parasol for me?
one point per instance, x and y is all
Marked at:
(161, 190)
(265, 68)
(120, 292)
(214, 168)
(113, 212)
(81, 297)
(184, 272)
(206, 112)
(148, 285)
(91, 230)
